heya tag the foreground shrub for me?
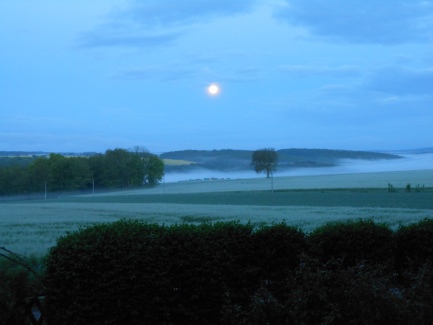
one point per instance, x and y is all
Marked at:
(277, 248)
(360, 294)
(16, 284)
(206, 264)
(227, 273)
(106, 274)
(277, 251)
(129, 273)
(352, 242)
(323, 294)
(414, 244)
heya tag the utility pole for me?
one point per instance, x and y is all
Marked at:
(45, 190)
(272, 180)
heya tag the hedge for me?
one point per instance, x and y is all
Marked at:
(414, 244)
(352, 242)
(130, 272)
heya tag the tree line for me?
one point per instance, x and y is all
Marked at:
(117, 168)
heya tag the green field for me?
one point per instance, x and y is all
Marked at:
(31, 227)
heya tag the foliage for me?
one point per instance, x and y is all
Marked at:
(121, 169)
(225, 159)
(236, 274)
(118, 168)
(66, 173)
(278, 248)
(153, 170)
(320, 293)
(151, 165)
(18, 281)
(264, 160)
(178, 274)
(15, 160)
(345, 243)
(415, 244)
(13, 179)
(228, 159)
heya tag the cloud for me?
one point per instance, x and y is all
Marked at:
(360, 21)
(160, 73)
(38, 122)
(241, 75)
(175, 72)
(91, 40)
(401, 81)
(152, 23)
(386, 94)
(402, 89)
(174, 13)
(313, 71)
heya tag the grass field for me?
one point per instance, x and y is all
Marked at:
(31, 227)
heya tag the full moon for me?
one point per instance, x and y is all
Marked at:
(213, 89)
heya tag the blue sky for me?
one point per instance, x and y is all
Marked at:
(81, 75)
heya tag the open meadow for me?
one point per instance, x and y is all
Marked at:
(32, 227)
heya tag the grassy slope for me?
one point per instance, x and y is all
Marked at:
(364, 180)
(326, 198)
(31, 227)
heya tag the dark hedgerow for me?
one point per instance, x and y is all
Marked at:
(20, 278)
(414, 244)
(106, 274)
(208, 262)
(133, 273)
(361, 294)
(352, 242)
(129, 272)
(277, 250)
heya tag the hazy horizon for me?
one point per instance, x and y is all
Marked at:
(401, 151)
(346, 166)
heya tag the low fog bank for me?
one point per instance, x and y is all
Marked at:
(346, 166)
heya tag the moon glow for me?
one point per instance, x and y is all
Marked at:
(213, 89)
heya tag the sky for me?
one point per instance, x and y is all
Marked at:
(80, 76)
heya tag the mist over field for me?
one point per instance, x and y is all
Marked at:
(346, 166)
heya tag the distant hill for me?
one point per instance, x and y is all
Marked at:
(226, 159)
(233, 160)
(24, 158)
(42, 153)
(416, 151)
(22, 153)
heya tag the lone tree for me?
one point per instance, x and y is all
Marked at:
(265, 160)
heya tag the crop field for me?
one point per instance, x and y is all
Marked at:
(32, 227)
(177, 162)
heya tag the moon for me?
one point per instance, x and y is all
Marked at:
(213, 89)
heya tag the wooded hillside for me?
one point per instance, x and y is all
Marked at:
(229, 159)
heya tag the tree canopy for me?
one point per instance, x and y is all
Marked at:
(117, 168)
(265, 160)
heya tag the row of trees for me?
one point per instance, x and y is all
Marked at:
(118, 168)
